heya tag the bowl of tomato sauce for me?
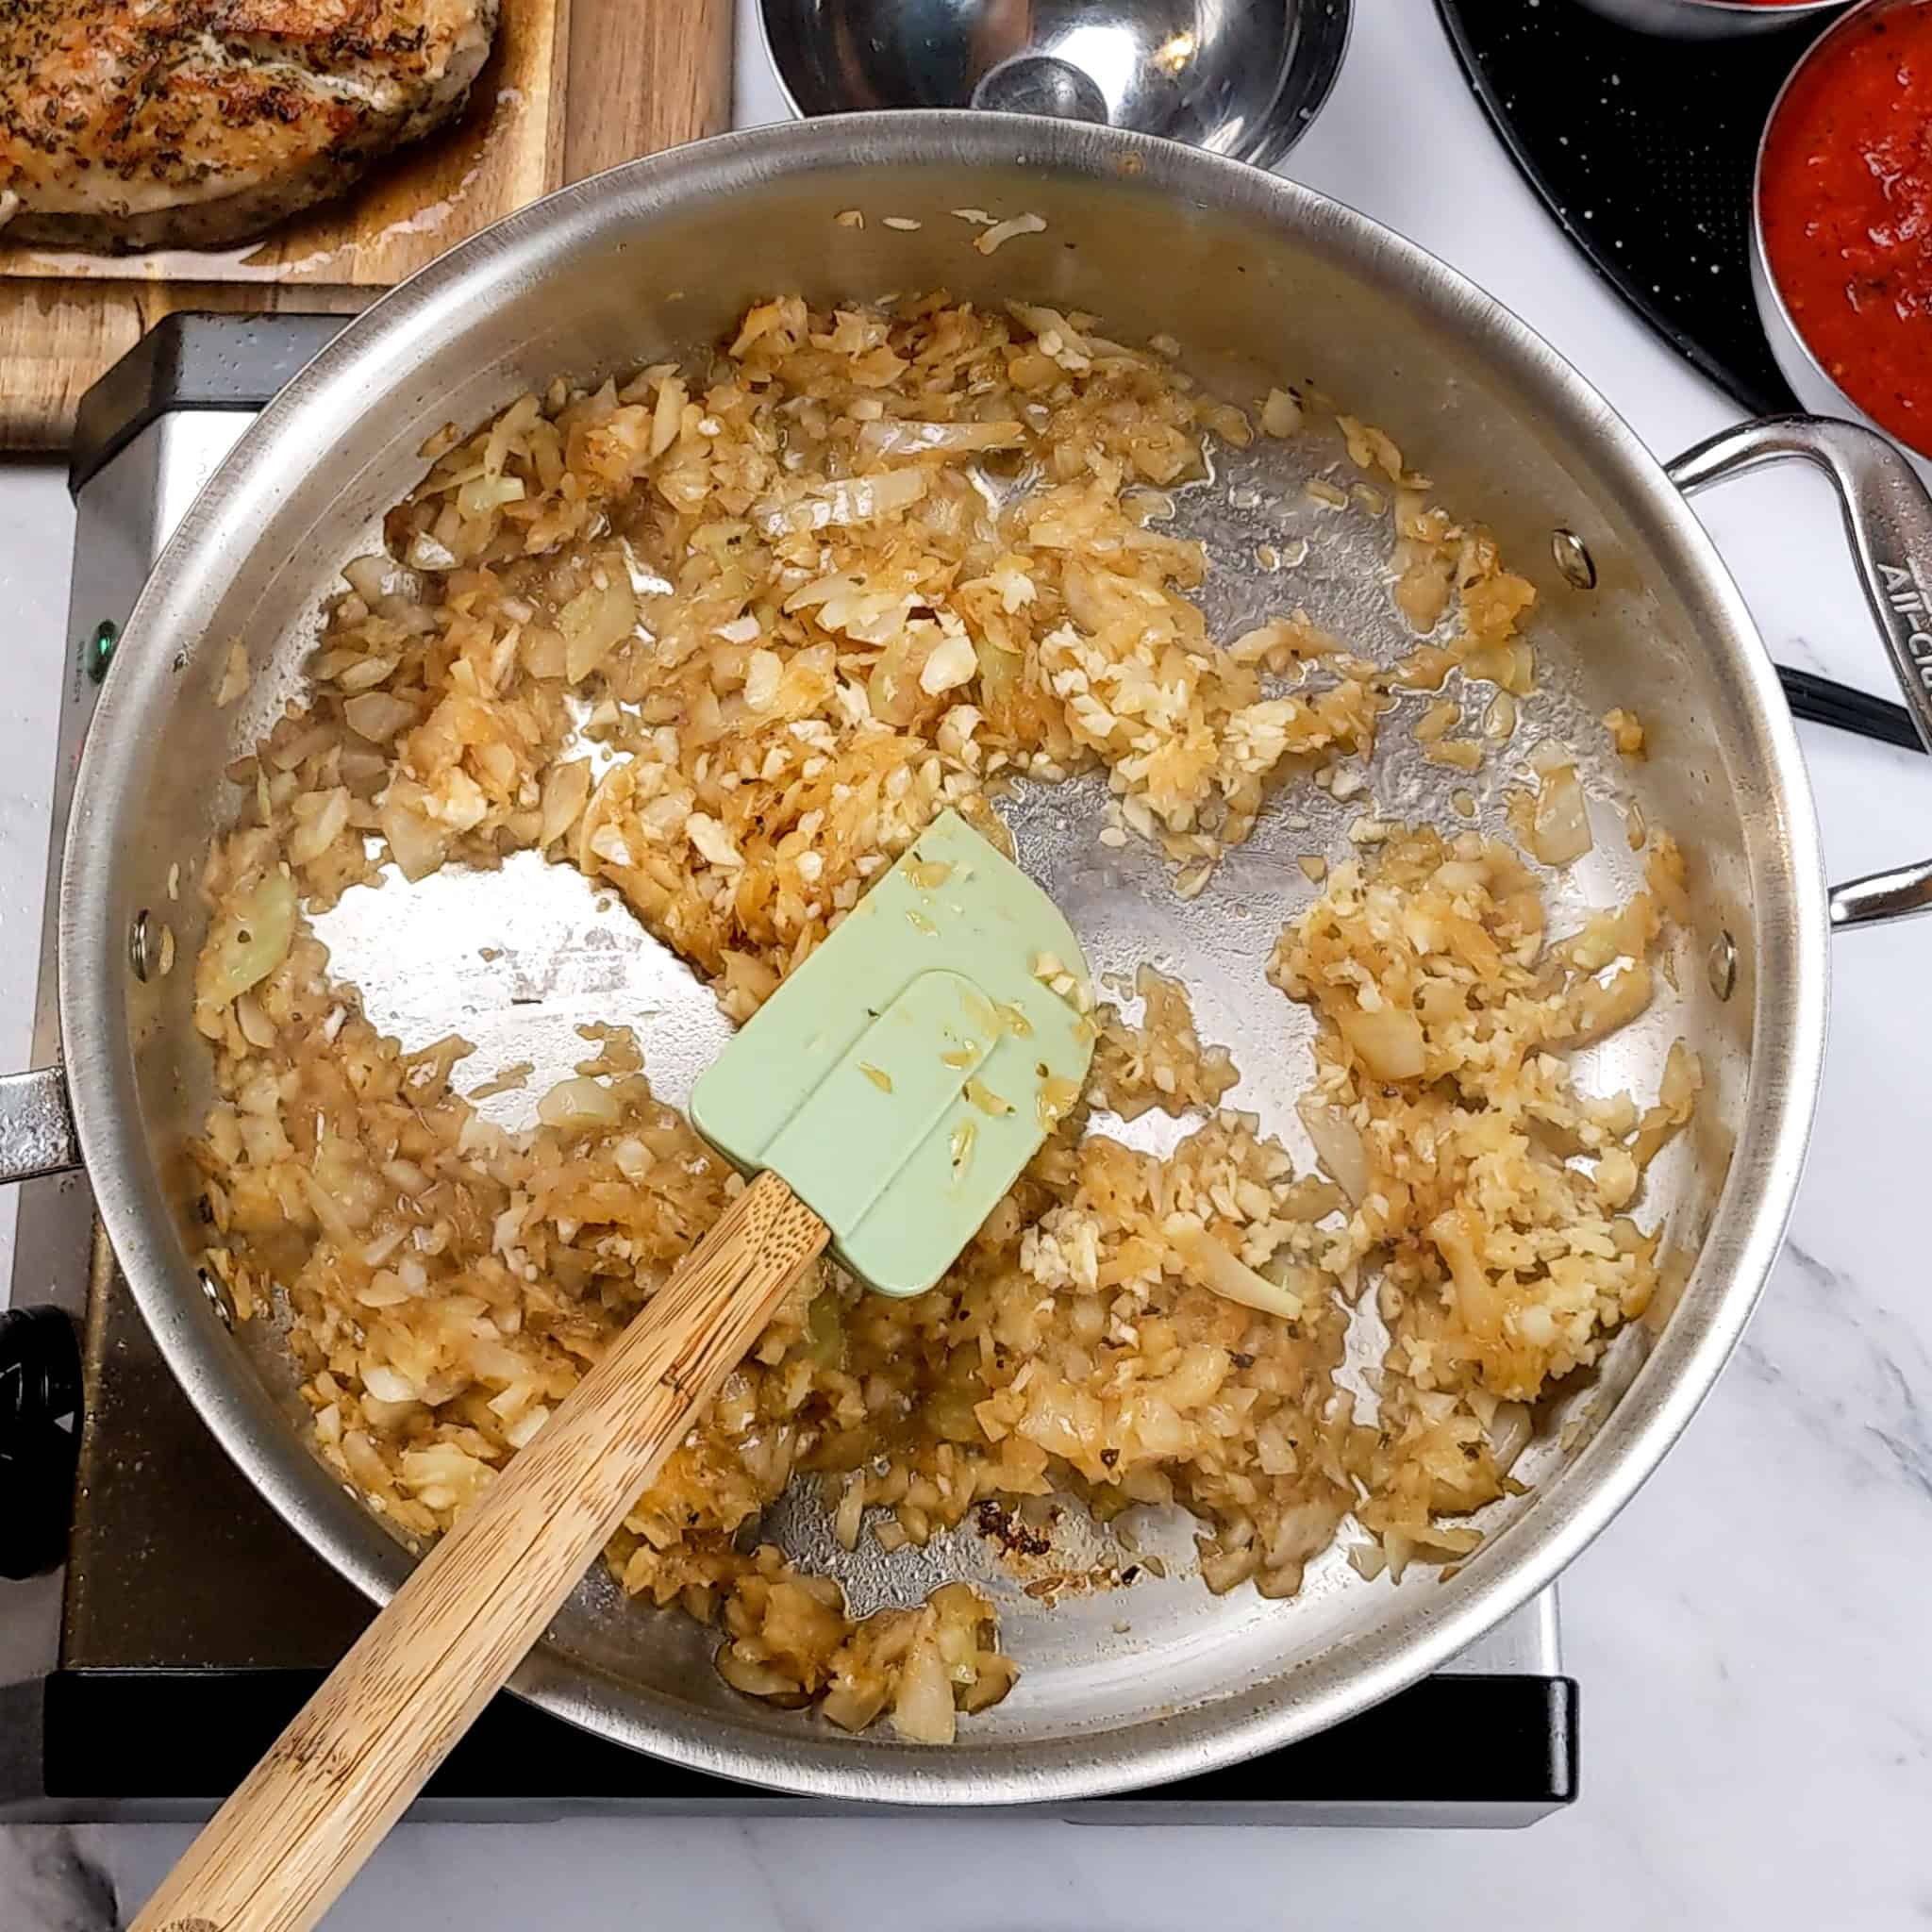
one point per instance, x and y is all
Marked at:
(1841, 239)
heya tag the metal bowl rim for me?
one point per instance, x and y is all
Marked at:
(1717, 20)
(1275, 140)
(1797, 8)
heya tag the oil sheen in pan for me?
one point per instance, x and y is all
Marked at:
(517, 959)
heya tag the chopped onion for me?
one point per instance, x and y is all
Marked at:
(286, 754)
(846, 500)
(1389, 1041)
(386, 1385)
(891, 685)
(1511, 665)
(482, 494)
(378, 715)
(334, 1222)
(236, 676)
(1002, 232)
(574, 1105)
(315, 834)
(850, 1514)
(1231, 1279)
(426, 552)
(257, 1029)
(950, 664)
(515, 422)
(541, 650)
(901, 437)
(1281, 414)
(756, 1679)
(1559, 825)
(405, 1177)
(1337, 1146)
(383, 1246)
(565, 789)
(668, 416)
(253, 941)
(415, 845)
(524, 1428)
(923, 1709)
(365, 673)
(1599, 1008)
(593, 623)
(373, 577)
(1509, 1433)
(1683, 1079)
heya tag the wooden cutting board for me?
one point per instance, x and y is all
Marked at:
(571, 86)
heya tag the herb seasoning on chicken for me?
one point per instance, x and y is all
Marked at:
(151, 124)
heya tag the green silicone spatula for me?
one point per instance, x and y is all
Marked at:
(902, 1077)
(885, 1097)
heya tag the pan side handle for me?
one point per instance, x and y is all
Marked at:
(37, 1134)
(1889, 525)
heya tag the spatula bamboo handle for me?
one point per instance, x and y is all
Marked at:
(275, 1856)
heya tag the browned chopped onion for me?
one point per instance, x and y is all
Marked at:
(415, 845)
(577, 1103)
(319, 830)
(236, 676)
(793, 722)
(252, 941)
(593, 623)
(1390, 1042)
(378, 715)
(566, 786)
(923, 1710)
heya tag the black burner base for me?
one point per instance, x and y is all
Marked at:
(179, 1740)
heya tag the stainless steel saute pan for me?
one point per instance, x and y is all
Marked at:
(1262, 282)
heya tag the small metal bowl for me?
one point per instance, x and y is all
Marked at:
(1709, 20)
(1243, 81)
(1814, 388)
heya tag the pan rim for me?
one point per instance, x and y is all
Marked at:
(1734, 1261)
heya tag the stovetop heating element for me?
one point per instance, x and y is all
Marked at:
(191, 1622)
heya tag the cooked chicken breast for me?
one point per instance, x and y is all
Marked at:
(151, 124)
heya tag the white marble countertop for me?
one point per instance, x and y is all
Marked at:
(1749, 1634)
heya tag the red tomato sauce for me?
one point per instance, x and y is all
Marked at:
(1845, 204)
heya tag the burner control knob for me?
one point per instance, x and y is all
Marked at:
(40, 1437)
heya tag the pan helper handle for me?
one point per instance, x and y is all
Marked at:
(1888, 521)
(35, 1125)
